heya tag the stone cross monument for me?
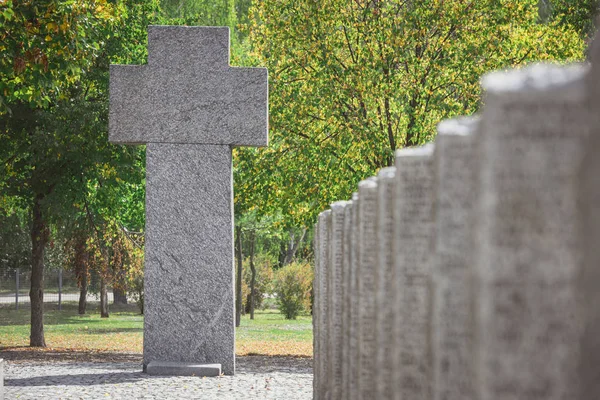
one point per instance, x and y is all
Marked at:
(190, 108)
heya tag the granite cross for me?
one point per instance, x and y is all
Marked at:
(190, 108)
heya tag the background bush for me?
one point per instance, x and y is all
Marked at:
(293, 286)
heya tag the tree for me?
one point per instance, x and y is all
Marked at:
(352, 81)
(577, 14)
(53, 122)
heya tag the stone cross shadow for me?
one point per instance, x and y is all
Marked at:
(190, 108)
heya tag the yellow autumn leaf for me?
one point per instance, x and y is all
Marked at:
(48, 38)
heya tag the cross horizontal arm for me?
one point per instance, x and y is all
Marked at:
(193, 101)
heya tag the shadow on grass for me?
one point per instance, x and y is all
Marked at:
(18, 354)
(101, 331)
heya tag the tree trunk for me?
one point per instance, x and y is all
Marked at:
(293, 246)
(238, 283)
(253, 269)
(81, 271)
(119, 296)
(83, 289)
(103, 299)
(39, 238)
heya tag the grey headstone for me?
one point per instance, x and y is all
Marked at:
(324, 271)
(347, 298)
(182, 369)
(1, 379)
(316, 314)
(414, 229)
(528, 233)
(352, 372)
(368, 262)
(335, 297)
(454, 171)
(190, 107)
(386, 294)
(589, 367)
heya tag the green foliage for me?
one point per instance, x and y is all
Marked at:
(293, 286)
(15, 242)
(578, 14)
(47, 45)
(351, 82)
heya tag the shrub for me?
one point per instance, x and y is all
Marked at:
(293, 285)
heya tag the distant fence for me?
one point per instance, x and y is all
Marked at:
(59, 286)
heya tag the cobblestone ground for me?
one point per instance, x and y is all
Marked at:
(256, 378)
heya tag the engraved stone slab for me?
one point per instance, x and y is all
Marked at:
(1, 379)
(335, 297)
(529, 255)
(316, 314)
(454, 172)
(346, 298)
(386, 294)
(589, 366)
(414, 230)
(324, 306)
(352, 374)
(368, 262)
(191, 107)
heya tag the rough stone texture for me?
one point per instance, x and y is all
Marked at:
(528, 325)
(413, 235)
(324, 271)
(368, 262)
(188, 278)
(386, 294)
(351, 377)
(454, 169)
(1, 379)
(190, 107)
(346, 313)
(589, 366)
(182, 369)
(316, 320)
(188, 93)
(335, 297)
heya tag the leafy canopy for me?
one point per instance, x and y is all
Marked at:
(352, 81)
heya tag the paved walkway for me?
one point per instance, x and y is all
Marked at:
(256, 378)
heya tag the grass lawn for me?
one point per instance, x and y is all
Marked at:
(268, 334)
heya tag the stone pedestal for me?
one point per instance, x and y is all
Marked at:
(347, 295)
(528, 324)
(589, 300)
(352, 374)
(455, 166)
(335, 297)
(386, 294)
(367, 263)
(324, 385)
(413, 250)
